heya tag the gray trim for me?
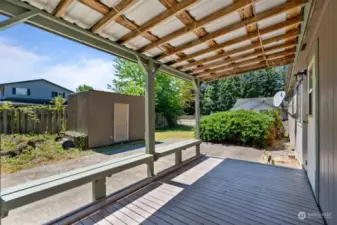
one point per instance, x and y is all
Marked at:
(68, 30)
(17, 19)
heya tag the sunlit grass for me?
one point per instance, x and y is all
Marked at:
(180, 131)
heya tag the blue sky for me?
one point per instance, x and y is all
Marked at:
(28, 53)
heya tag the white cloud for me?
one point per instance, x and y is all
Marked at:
(18, 63)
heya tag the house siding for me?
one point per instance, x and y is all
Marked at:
(39, 90)
(327, 38)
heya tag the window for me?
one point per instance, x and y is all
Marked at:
(21, 91)
(55, 94)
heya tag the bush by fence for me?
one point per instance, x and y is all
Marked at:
(32, 120)
(243, 127)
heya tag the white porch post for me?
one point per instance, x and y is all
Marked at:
(197, 113)
(149, 69)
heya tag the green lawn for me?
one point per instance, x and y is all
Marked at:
(48, 151)
(180, 131)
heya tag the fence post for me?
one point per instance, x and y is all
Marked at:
(30, 127)
(12, 120)
(49, 120)
(17, 115)
(54, 126)
(5, 119)
(23, 122)
(1, 122)
(43, 123)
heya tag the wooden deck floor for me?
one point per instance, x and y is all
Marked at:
(217, 191)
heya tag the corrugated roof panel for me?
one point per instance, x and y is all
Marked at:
(205, 56)
(154, 52)
(110, 3)
(275, 51)
(244, 52)
(81, 15)
(181, 63)
(205, 7)
(196, 48)
(264, 5)
(239, 60)
(274, 43)
(273, 34)
(223, 22)
(190, 36)
(272, 20)
(238, 45)
(231, 35)
(113, 31)
(169, 58)
(167, 27)
(137, 43)
(144, 10)
(47, 5)
(248, 64)
(216, 60)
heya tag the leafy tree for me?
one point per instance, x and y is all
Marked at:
(84, 87)
(221, 95)
(58, 102)
(130, 79)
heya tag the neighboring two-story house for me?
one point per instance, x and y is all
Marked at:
(38, 91)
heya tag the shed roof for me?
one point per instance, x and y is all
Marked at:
(205, 39)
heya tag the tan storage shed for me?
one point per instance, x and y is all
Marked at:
(106, 117)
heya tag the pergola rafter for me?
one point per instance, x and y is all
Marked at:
(186, 56)
(242, 24)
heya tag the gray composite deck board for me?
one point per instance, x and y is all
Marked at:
(217, 191)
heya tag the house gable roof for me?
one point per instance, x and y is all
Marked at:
(28, 81)
(251, 103)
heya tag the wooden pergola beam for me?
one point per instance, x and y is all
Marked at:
(97, 6)
(239, 50)
(158, 20)
(236, 71)
(248, 56)
(249, 36)
(198, 24)
(264, 15)
(246, 62)
(62, 7)
(113, 14)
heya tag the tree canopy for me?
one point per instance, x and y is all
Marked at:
(170, 93)
(84, 87)
(220, 95)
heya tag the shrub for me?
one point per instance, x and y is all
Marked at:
(238, 127)
(275, 114)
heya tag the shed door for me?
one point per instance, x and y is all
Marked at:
(121, 122)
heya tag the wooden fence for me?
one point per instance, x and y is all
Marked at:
(37, 121)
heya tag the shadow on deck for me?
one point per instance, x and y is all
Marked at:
(213, 190)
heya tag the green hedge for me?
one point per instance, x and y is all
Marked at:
(242, 127)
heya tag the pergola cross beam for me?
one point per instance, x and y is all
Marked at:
(17, 19)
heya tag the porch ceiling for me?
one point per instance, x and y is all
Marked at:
(203, 39)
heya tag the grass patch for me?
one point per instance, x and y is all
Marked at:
(45, 151)
(180, 131)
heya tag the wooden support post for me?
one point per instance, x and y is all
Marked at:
(98, 189)
(197, 113)
(178, 158)
(149, 70)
